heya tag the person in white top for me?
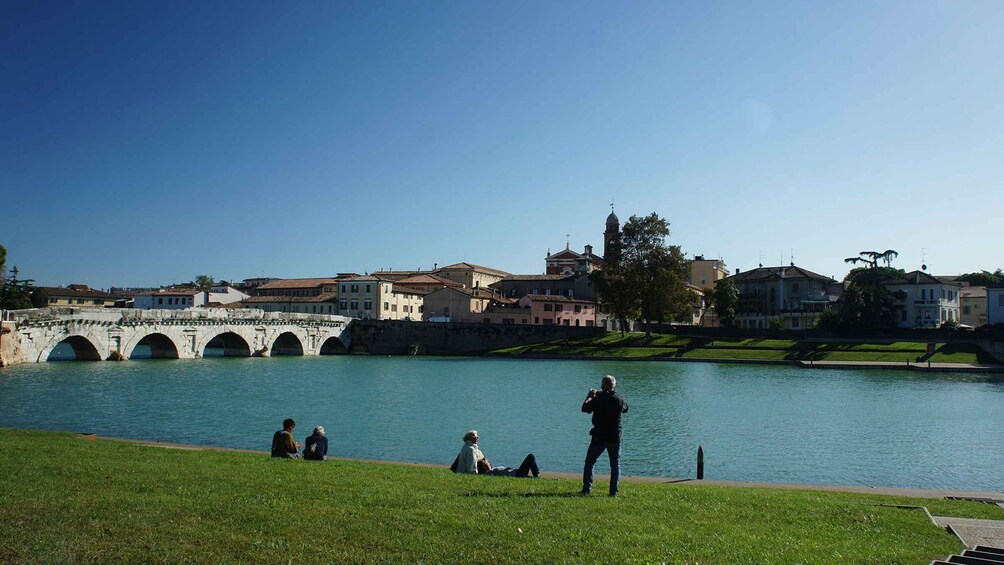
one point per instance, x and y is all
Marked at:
(471, 460)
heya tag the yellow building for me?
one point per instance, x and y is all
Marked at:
(73, 295)
(704, 273)
(471, 275)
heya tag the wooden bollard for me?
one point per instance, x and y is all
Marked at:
(700, 463)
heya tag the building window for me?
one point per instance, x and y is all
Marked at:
(367, 305)
(367, 288)
(576, 321)
(965, 310)
(393, 307)
(343, 289)
(794, 323)
(564, 322)
(578, 308)
(547, 292)
(548, 308)
(341, 305)
(571, 293)
(536, 320)
(354, 288)
(355, 304)
(558, 308)
(386, 305)
(589, 323)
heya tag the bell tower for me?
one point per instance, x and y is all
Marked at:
(612, 237)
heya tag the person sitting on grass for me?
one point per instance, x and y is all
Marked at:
(317, 446)
(282, 441)
(471, 460)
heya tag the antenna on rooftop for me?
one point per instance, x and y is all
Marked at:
(923, 259)
(567, 240)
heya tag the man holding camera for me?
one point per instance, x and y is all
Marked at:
(606, 406)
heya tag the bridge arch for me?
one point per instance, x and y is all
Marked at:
(161, 347)
(83, 349)
(225, 344)
(288, 343)
(333, 346)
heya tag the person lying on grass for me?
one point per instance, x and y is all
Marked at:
(471, 460)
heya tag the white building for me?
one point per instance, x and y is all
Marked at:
(224, 294)
(169, 299)
(995, 304)
(924, 301)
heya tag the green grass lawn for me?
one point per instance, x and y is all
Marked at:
(65, 499)
(637, 346)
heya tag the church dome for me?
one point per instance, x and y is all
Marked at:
(612, 221)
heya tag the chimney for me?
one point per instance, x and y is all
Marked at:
(737, 270)
(589, 250)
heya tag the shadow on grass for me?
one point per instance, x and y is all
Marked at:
(475, 493)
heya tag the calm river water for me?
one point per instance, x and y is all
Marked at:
(756, 423)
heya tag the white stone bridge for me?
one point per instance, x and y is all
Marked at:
(29, 336)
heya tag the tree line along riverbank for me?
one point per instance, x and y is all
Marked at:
(664, 346)
(111, 501)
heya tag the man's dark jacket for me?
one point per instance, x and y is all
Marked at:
(606, 408)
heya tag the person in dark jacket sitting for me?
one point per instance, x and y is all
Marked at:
(317, 446)
(282, 441)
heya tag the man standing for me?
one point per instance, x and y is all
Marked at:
(606, 407)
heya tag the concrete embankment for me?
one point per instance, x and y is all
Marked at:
(883, 365)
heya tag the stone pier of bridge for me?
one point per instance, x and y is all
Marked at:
(29, 336)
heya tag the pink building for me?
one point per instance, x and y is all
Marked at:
(552, 309)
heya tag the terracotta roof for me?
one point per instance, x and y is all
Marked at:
(555, 298)
(326, 297)
(471, 292)
(409, 290)
(973, 292)
(361, 278)
(919, 277)
(790, 272)
(471, 266)
(86, 292)
(564, 253)
(427, 279)
(537, 277)
(297, 283)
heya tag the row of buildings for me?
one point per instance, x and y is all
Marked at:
(789, 295)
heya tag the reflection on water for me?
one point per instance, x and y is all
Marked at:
(756, 423)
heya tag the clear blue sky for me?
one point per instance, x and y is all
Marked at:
(148, 142)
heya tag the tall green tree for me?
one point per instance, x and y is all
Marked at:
(867, 304)
(725, 299)
(982, 278)
(3, 264)
(204, 282)
(16, 294)
(656, 271)
(616, 294)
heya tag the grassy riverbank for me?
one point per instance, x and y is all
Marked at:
(637, 346)
(66, 499)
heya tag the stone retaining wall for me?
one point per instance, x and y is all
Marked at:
(386, 337)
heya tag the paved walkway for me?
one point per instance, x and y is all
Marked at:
(950, 367)
(907, 492)
(974, 532)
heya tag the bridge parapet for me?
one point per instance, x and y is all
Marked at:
(112, 333)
